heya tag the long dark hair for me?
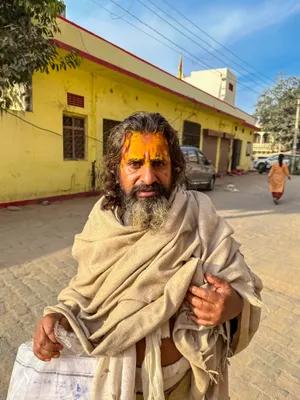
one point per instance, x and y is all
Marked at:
(143, 122)
(280, 159)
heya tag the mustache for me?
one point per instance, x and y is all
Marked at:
(154, 187)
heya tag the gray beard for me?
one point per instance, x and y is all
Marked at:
(148, 213)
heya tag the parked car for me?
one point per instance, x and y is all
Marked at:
(200, 173)
(258, 161)
(267, 164)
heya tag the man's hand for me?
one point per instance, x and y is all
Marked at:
(45, 345)
(213, 307)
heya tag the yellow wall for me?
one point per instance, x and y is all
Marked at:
(31, 160)
(82, 40)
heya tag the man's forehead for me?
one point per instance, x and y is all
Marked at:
(145, 138)
(140, 144)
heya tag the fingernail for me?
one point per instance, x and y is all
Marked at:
(48, 359)
(191, 288)
(59, 346)
(56, 355)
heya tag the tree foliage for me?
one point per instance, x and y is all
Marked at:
(27, 29)
(276, 108)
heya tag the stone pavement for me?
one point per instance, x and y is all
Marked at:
(36, 263)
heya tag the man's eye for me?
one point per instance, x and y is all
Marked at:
(158, 163)
(135, 164)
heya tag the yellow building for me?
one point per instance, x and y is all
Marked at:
(56, 149)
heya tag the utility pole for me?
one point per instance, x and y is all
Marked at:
(296, 136)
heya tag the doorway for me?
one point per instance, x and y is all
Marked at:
(236, 154)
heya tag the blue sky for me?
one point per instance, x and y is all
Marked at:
(263, 33)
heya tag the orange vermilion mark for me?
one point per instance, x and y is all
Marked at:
(145, 147)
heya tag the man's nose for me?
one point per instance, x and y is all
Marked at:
(147, 175)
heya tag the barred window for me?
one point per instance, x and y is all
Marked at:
(74, 138)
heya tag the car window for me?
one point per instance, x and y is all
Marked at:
(192, 157)
(202, 159)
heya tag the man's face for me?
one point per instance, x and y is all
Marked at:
(145, 162)
(145, 177)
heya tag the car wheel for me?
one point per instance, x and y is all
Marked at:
(261, 168)
(260, 165)
(211, 184)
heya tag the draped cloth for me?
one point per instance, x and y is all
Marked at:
(130, 282)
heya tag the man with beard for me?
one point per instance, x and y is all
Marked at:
(162, 294)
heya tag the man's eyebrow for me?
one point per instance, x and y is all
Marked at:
(135, 159)
(157, 159)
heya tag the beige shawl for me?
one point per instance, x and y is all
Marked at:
(130, 282)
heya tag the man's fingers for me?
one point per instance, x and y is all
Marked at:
(42, 342)
(200, 321)
(206, 315)
(49, 332)
(41, 357)
(216, 281)
(208, 295)
(46, 354)
(42, 345)
(197, 302)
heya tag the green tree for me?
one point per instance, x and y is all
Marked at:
(276, 108)
(27, 29)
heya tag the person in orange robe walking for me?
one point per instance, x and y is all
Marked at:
(277, 178)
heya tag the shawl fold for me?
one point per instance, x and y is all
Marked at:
(130, 282)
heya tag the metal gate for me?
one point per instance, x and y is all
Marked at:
(210, 147)
(223, 160)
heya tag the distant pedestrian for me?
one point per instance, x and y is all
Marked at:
(277, 178)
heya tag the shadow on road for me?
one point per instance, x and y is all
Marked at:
(38, 230)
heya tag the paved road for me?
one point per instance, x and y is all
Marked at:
(36, 263)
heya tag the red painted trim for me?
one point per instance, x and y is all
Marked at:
(51, 199)
(99, 61)
(255, 128)
(116, 68)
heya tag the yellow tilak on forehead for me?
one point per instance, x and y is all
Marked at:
(138, 144)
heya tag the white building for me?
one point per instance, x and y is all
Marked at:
(220, 83)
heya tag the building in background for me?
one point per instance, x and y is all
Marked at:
(265, 145)
(55, 147)
(220, 83)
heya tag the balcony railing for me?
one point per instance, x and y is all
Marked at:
(262, 146)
